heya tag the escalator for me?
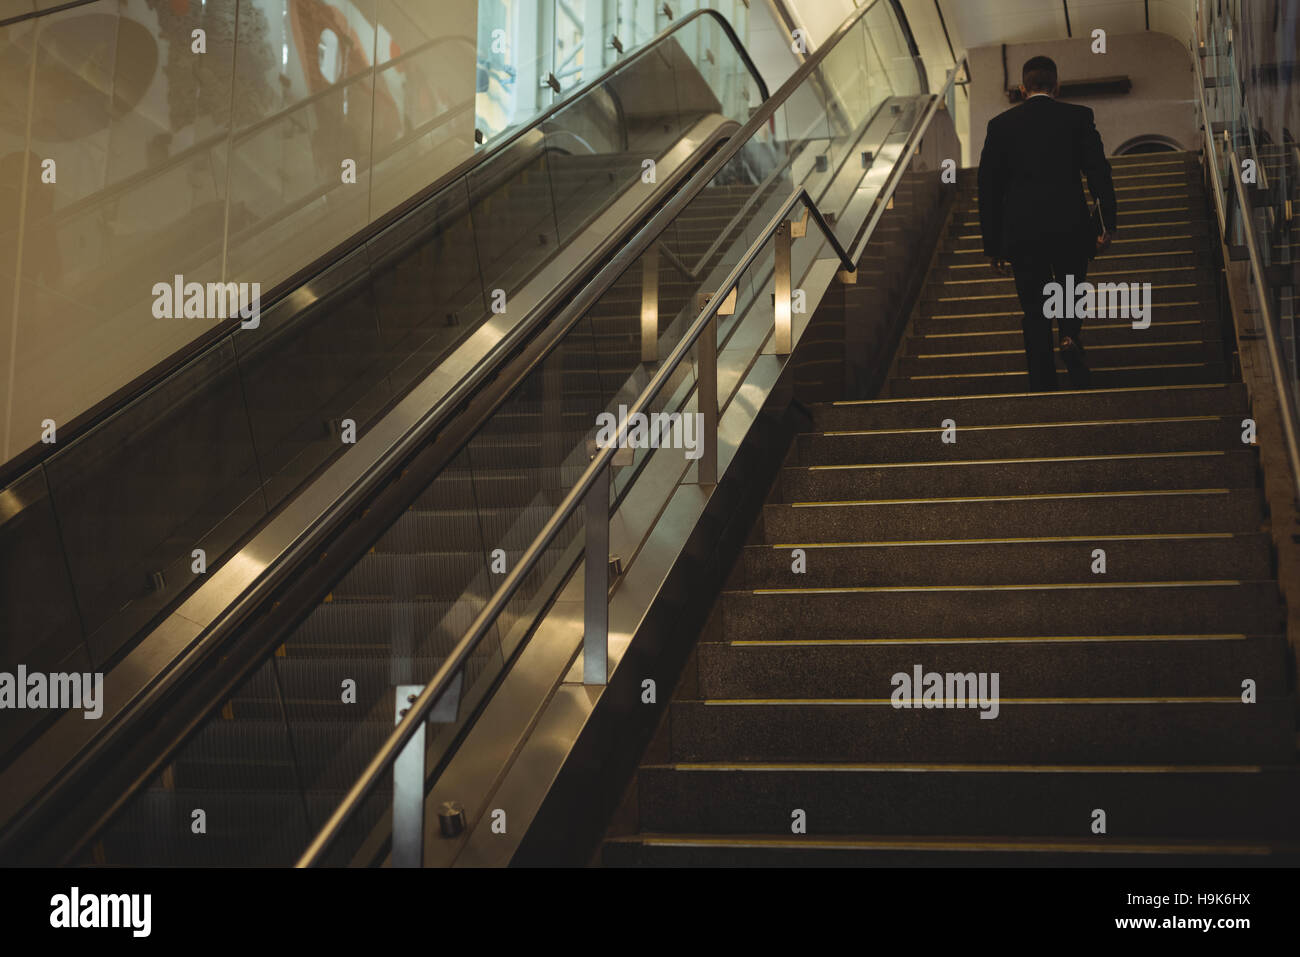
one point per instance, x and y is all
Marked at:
(244, 756)
(282, 751)
(244, 443)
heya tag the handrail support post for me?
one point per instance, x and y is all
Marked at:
(408, 788)
(595, 593)
(650, 304)
(783, 336)
(707, 393)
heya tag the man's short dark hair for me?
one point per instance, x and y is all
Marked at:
(1039, 75)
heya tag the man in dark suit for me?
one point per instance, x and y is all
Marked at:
(1033, 213)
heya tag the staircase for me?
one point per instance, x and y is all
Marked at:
(1120, 735)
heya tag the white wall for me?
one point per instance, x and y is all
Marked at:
(769, 45)
(1161, 101)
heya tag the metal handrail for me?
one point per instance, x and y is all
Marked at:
(1270, 335)
(1256, 272)
(1208, 146)
(582, 492)
(44, 11)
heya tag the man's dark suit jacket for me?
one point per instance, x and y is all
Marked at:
(1030, 195)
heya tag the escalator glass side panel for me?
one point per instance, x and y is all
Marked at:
(892, 65)
(194, 463)
(314, 362)
(232, 797)
(512, 208)
(186, 478)
(39, 623)
(427, 285)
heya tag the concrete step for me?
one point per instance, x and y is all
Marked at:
(971, 800)
(941, 287)
(1103, 377)
(903, 447)
(702, 850)
(993, 561)
(1124, 666)
(1174, 253)
(1038, 731)
(1132, 164)
(1131, 200)
(1152, 225)
(1153, 240)
(948, 611)
(1180, 286)
(1227, 399)
(1017, 475)
(1096, 333)
(1137, 351)
(1015, 516)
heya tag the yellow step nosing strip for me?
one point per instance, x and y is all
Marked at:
(1171, 252)
(1011, 498)
(1037, 396)
(1041, 539)
(1173, 285)
(877, 702)
(1161, 209)
(1145, 270)
(964, 768)
(1020, 313)
(1092, 328)
(1128, 226)
(968, 375)
(979, 238)
(1044, 458)
(1102, 846)
(1036, 586)
(997, 640)
(1028, 425)
(1092, 349)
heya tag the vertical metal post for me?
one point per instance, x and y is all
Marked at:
(595, 592)
(650, 304)
(408, 789)
(783, 335)
(706, 352)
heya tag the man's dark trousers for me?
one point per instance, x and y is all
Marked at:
(1034, 269)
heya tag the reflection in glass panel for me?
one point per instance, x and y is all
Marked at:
(240, 771)
(172, 472)
(513, 211)
(39, 625)
(315, 360)
(514, 58)
(428, 293)
(391, 620)
(425, 63)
